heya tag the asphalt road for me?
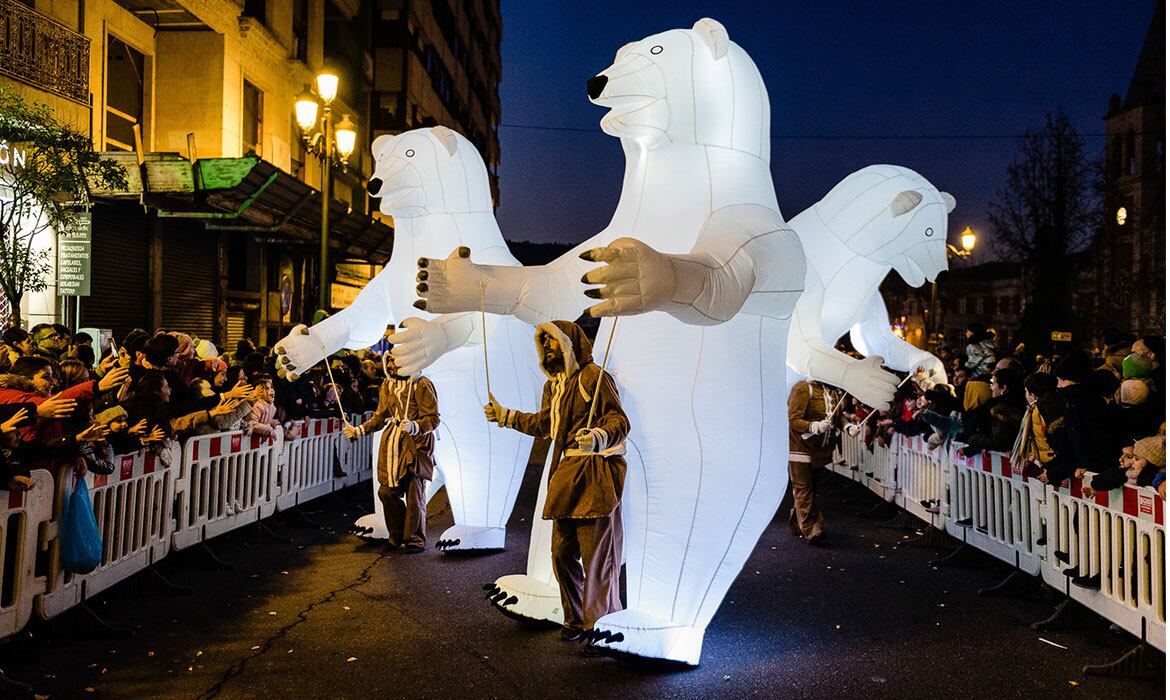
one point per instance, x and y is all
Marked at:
(327, 616)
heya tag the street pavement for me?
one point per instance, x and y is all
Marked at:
(323, 615)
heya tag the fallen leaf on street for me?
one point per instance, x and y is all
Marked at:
(352, 658)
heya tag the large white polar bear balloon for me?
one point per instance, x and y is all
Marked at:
(879, 217)
(434, 183)
(701, 368)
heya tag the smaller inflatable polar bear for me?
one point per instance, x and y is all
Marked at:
(434, 183)
(879, 217)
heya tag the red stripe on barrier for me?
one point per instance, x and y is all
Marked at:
(986, 461)
(127, 467)
(216, 445)
(1102, 498)
(1130, 502)
(16, 499)
(148, 463)
(1159, 510)
(236, 441)
(255, 442)
(100, 480)
(195, 449)
(1005, 466)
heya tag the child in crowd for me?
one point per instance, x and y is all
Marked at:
(262, 420)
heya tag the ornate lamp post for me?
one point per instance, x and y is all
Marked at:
(321, 144)
(967, 240)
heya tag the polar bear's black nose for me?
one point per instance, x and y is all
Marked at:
(374, 186)
(595, 85)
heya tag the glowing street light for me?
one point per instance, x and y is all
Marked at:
(321, 144)
(968, 239)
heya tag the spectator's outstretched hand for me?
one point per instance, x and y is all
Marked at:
(931, 367)
(12, 423)
(114, 379)
(94, 433)
(226, 406)
(140, 428)
(20, 484)
(243, 390)
(297, 352)
(156, 435)
(107, 363)
(56, 407)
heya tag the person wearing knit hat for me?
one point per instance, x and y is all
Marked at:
(1152, 450)
(1134, 414)
(1088, 436)
(206, 350)
(110, 417)
(1076, 367)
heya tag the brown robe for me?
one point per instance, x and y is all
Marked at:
(579, 485)
(806, 405)
(415, 453)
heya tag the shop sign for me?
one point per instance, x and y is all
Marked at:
(74, 255)
(1062, 336)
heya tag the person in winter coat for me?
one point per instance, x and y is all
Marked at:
(980, 349)
(581, 413)
(810, 445)
(995, 425)
(1138, 466)
(1031, 450)
(408, 408)
(1135, 413)
(1084, 436)
(261, 421)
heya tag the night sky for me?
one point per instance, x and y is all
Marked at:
(834, 71)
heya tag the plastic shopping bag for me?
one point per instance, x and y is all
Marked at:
(81, 543)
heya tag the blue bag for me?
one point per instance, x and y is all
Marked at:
(81, 543)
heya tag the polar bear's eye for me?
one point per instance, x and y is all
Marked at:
(929, 232)
(410, 154)
(655, 50)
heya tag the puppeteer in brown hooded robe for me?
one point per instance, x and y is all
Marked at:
(409, 410)
(588, 471)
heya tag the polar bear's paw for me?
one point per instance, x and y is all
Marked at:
(370, 527)
(629, 633)
(526, 599)
(464, 538)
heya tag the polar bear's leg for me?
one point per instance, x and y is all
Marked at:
(534, 595)
(489, 461)
(372, 526)
(693, 540)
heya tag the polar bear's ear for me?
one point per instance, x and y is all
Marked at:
(447, 138)
(713, 35)
(950, 200)
(623, 51)
(380, 143)
(904, 202)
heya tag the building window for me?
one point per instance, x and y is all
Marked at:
(257, 9)
(253, 112)
(300, 30)
(124, 94)
(1130, 152)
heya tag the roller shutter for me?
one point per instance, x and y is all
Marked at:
(120, 287)
(190, 278)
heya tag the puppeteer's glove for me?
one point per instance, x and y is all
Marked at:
(409, 427)
(493, 411)
(591, 440)
(820, 427)
(853, 429)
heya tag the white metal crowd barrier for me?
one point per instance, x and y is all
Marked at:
(132, 508)
(227, 480)
(1114, 540)
(308, 466)
(992, 508)
(356, 455)
(21, 517)
(920, 477)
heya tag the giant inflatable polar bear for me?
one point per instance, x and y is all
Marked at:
(701, 370)
(434, 183)
(879, 217)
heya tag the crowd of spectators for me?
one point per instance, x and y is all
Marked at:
(68, 405)
(1095, 415)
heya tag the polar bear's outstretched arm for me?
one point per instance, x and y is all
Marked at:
(360, 325)
(872, 335)
(811, 355)
(533, 294)
(744, 256)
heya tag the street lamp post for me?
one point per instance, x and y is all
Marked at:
(967, 241)
(322, 144)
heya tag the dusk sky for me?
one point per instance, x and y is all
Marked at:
(848, 83)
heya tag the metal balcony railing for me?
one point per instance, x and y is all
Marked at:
(43, 53)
